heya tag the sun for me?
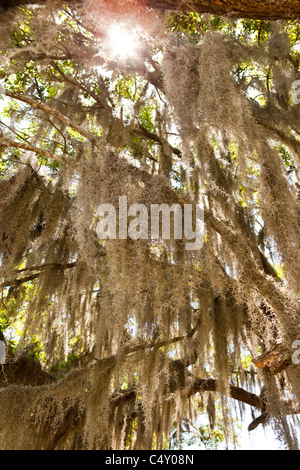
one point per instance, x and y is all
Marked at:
(122, 42)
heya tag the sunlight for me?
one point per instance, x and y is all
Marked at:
(123, 43)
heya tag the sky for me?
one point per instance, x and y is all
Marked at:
(261, 438)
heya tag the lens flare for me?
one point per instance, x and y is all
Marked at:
(122, 43)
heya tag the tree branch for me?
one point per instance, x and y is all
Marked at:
(211, 385)
(256, 9)
(31, 148)
(156, 138)
(16, 282)
(53, 112)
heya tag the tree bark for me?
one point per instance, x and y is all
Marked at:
(255, 9)
(274, 360)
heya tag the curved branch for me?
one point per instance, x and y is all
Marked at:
(263, 418)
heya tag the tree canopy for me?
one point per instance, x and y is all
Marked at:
(126, 343)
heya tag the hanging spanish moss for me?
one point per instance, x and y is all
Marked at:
(122, 343)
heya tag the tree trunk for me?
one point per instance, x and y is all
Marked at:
(255, 9)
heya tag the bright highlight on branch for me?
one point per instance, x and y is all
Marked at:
(123, 43)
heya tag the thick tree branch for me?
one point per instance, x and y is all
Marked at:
(258, 9)
(211, 385)
(274, 360)
(262, 419)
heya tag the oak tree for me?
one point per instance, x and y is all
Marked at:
(113, 344)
